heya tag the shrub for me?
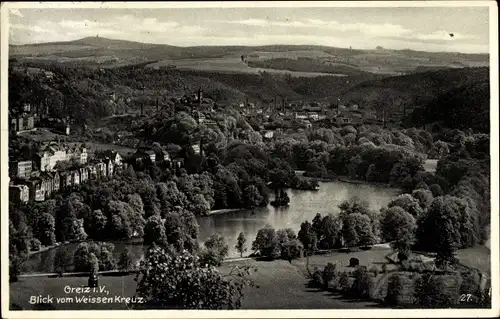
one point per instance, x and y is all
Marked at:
(432, 291)
(329, 273)
(35, 244)
(374, 270)
(384, 268)
(125, 260)
(344, 282)
(317, 278)
(395, 290)
(362, 284)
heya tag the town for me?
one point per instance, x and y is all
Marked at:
(168, 167)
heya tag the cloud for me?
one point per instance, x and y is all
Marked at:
(123, 27)
(443, 36)
(385, 29)
(16, 12)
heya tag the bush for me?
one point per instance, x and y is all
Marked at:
(35, 244)
(62, 261)
(436, 190)
(374, 270)
(209, 257)
(471, 284)
(405, 265)
(344, 285)
(395, 290)
(125, 260)
(384, 268)
(434, 291)
(329, 274)
(317, 278)
(362, 284)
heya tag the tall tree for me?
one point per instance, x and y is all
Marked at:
(241, 244)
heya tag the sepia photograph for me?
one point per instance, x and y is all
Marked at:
(262, 159)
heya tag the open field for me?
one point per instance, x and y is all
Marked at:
(478, 257)
(123, 150)
(228, 64)
(278, 284)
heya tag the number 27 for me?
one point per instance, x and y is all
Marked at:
(465, 297)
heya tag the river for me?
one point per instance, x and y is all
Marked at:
(303, 206)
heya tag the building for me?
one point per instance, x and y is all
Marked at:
(56, 181)
(48, 158)
(163, 156)
(211, 124)
(143, 155)
(19, 193)
(48, 183)
(269, 134)
(36, 190)
(101, 169)
(92, 171)
(307, 124)
(84, 174)
(343, 120)
(78, 153)
(75, 177)
(21, 169)
(22, 123)
(301, 116)
(113, 155)
(109, 167)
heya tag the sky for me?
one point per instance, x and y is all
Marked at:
(416, 28)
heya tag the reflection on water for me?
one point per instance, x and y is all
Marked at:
(304, 205)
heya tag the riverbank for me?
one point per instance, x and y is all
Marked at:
(225, 211)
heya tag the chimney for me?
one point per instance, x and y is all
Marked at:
(157, 105)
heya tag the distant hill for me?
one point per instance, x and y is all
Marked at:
(103, 51)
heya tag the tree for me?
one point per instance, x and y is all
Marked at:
(106, 259)
(171, 280)
(96, 224)
(154, 231)
(62, 261)
(409, 204)
(251, 196)
(93, 264)
(45, 230)
(291, 249)
(241, 244)
(396, 223)
(447, 223)
(358, 230)
(266, 242)
(125, 260)
(81, 258)
(331, 229)
(317, 226)
(217, 244)
(308, 239)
